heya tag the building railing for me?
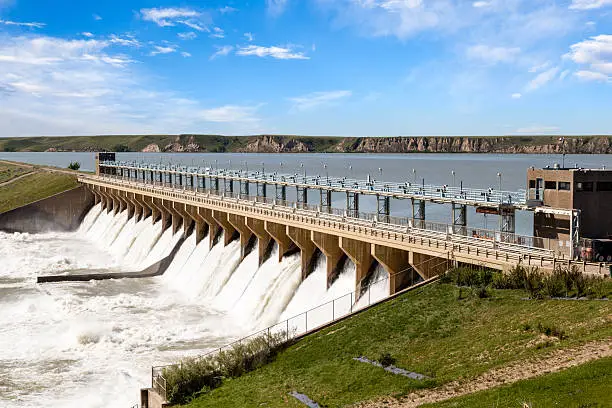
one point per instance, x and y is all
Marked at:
(489, 238)
(316, 318)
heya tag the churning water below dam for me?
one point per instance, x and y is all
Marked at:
(92, 344)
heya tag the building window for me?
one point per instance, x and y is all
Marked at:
(550, 185)
(604, 186)
(565, 186)
(532, 184)
(584, 186)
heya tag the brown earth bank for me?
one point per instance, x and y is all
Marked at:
(312, 144)
(553, 362)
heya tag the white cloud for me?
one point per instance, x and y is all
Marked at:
(315, 99)
(20, 24)
(217, 33)
(185, 54)
(187, 36)
(163, 49)
(127, 41)
(534, 130)
(596, 54)
(564, 74)
(276, 7)
(45, 80)
(274, 52)
(222, 51)
(169, 17)
(593, 76)
(227, 10)
(231, 113)
(87, 34)
(539, 67)
(96, 17)
(589, 4)
(542, 79)
(516, 95)
(481, 4)
(493, 55)
(249, 36)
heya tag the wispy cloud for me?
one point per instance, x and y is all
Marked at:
(516, 95)
(217, 33)
(22, 24)
(126, 41)
(249, 37)
(542, 79)
(276, 7)
(163, 49)
(187, 36)
(493, 55)
(185, 54)
(227, 10)
(589, 4)
(283, 53)
(231, 114)
(535, 130)
(87, 34)
(316, 99)
(169, 17)
(96, 17)
(222, 51)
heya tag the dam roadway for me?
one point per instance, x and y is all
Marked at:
(405, 251)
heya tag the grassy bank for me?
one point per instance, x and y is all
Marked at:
(9, 171)
(34, 187)
(587, 385)
(437, 331)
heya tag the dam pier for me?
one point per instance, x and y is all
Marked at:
(216, 201)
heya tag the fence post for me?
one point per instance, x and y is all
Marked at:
(333, 310)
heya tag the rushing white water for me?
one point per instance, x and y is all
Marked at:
(91, 344)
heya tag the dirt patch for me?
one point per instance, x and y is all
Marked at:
(550, 363)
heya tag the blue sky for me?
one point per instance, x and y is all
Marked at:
(319, 67)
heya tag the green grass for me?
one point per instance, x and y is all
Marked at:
(587, 385)
(11, 171)
(33, 188)
(429, 332)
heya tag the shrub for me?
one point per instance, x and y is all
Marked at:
(386, 360)
(483, 292)
(552, 330)
(581, 285)
(534, 282)
(596, 287)
(553, 284)
(517, 277)
(200, 375)
(74, 165)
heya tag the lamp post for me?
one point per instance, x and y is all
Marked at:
(263, 169)
(414, 174)
(381, 173)
(326, 172)
(453, 173)
(302, 166)
(499, 175)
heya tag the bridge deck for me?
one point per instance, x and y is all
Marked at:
(438, 194)
(468, 249)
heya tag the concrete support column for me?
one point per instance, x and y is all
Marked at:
(214, 229)
(186, 217)
(131, 206)
(165, 215)
(200, 223)
(329, 245)
(155, 213)
(428, 266)
(145, 211)
(116, 203)
(97, 196)
(177, 218)
(395, 262)
(228, 229)
(258, 228)
(279, 233)
(459, 218)
(239, 223)
(302, 238)
(361, 254)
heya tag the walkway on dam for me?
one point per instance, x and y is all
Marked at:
(475, 250)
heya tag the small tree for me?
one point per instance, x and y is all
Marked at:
(74, 165)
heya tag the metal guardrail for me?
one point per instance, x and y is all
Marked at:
(471, 196)
(299, 325)
(406, 224)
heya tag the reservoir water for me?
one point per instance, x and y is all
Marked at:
(92, 344)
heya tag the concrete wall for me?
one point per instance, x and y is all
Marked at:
(61, 212)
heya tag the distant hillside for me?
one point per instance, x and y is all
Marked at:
(307, 144)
